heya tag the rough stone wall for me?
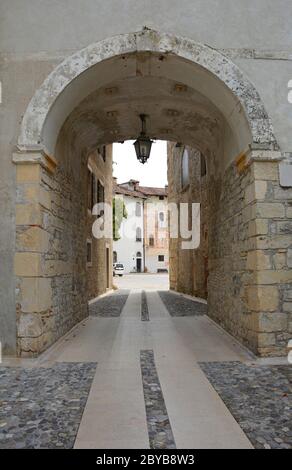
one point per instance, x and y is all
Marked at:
(50, 262)
(198, 193)
(228, 247)
(188, 270)
(97, 282)
(34, 306)
(269, 297)
(249, 250)
(19, 78)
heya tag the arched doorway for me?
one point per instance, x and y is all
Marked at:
(193, 95)
(139, 262)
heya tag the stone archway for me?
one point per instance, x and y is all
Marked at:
(226, 101)
(34, 120)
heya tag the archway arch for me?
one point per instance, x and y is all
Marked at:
(76, 76)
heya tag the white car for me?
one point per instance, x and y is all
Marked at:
(118, 269)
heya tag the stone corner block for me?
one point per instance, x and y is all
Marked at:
(263, 298)
(273, 321)
(29, 325)
(36, 294)
(28, 264)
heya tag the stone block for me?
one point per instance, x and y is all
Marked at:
(248, 213)
(258, 227)
(258, 260)
(32, 347)
(57, 267)
(28, 214)
(287, 307)
(255, 191)
(279, 260)
(267, 171)
(33, 239)
(283, 194)
(287, 294)
(269, 210)
(29, 325)
(289, 258)
(36, 194)
(272, 351)
(262, 298)
(28, 264)
(266, 339)
(273, 242)
(272, 322)
(273, 276)
(36, 294)
(284, 227)
(28, 173)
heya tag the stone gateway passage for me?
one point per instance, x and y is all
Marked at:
(168, 327)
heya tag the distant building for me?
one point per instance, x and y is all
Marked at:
(143, 243)
(129, 249)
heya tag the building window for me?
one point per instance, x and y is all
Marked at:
(138, 209)
(102, 152)
(89, 189)
(160, 257)
(161, 198)
(89, 253)
(203, 166)
(115, 257)
(151, 240)
(161, 219)
(100, 192)
(185, 168)
(138, 234)
(95, 191)
(139, 254)
(93, 182)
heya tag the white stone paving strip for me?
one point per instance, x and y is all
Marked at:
(114, 417)
(198, 416)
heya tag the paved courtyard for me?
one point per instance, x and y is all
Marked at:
(142, 281)
(154, 372)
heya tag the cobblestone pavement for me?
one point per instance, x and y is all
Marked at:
(109, 306)
(260, 399)
(180, 306)
(42, 407)
(144, 307)
(159, 428)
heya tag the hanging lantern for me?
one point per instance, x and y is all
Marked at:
(143, 143)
